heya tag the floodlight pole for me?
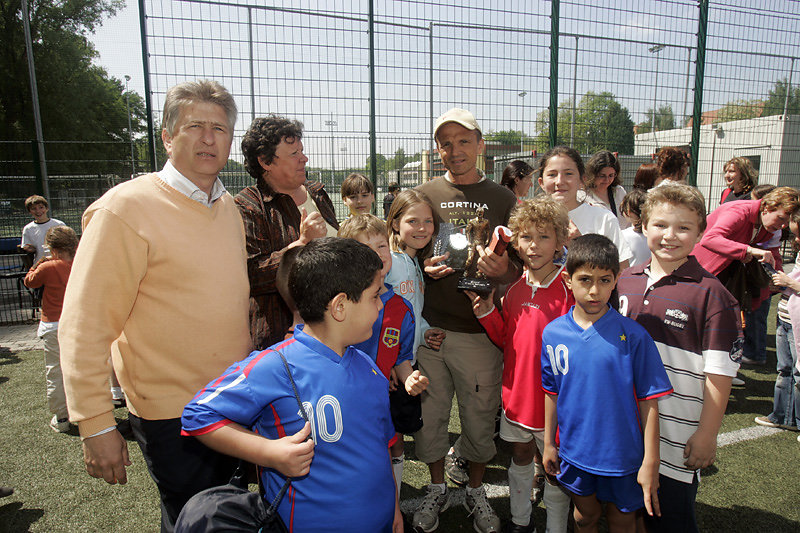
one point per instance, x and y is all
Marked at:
(130, 131)
(37, 117)
(332, 124)
(788, 89)
(655, 50)
(574, 96)
(522, 129)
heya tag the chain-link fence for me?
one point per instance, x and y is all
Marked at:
(593, 74)
(368, 78)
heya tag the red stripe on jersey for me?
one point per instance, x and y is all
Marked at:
(389, 334)
(208, 429)
(258, 358)
(638, 412)
(659, 395)
(278, 425)
(291, 511)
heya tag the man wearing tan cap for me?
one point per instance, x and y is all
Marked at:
(467, 363)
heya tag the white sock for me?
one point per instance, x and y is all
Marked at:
(520, 484)
(557, 503)
(441, 486)
(397, 468)
(470, 490)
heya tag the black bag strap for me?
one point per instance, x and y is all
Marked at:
(273, 507)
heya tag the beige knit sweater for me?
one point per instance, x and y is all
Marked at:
(159, 283)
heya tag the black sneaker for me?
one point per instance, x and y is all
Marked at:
(511, 527)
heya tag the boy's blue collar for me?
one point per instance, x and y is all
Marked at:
(319, 347)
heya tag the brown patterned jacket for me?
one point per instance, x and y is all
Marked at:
(271, 223)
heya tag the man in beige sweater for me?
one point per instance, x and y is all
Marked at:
(159, 283)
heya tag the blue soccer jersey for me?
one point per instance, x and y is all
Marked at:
(350, 485)
(599, 375)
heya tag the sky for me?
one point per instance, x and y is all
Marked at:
(486, 54)
(118, 41)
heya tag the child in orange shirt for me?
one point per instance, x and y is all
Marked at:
(51, 272)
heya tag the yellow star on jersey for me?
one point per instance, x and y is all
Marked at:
(622, 337)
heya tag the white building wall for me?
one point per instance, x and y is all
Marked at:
(773, 141)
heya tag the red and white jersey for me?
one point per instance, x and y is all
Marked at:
(527, 309)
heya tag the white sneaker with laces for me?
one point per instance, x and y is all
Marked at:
(456, 468)
(484, 518)
(59, 425)
(426, 517)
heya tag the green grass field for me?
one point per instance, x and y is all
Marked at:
(752, 487)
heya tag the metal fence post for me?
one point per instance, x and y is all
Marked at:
(697, 114)
(431, 119)
(148, 103)
(37, 167)
(373, 160)
(554, 73)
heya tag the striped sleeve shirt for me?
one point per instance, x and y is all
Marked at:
(695, 324)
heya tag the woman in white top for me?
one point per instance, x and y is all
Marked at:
(603, 186)
(632, 210)
(561, 174)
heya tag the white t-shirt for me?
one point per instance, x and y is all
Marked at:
(34, 233)
(638, 245)
(592, 219)
(619, 195)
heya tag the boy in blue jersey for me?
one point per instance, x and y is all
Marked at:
(602, 375)
(338, 461)
(392, 342)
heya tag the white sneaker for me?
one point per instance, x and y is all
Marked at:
(484, 518)
(59, 425)
(426, 517)
(456, 468)
(737, 382)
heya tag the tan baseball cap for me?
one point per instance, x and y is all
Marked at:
(459, 116)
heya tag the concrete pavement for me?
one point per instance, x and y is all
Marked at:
(20, 338)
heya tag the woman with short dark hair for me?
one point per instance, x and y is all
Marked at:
(518, 176)
(282, 210)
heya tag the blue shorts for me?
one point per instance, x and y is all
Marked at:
(623, 491)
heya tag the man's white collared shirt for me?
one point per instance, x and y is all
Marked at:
(185, 186)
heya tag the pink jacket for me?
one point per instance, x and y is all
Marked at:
(728, 234)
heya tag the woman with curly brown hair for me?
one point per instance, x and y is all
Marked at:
(282, 210)
(673, 165)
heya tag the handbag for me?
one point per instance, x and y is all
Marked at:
(233, 507)
(406, 411)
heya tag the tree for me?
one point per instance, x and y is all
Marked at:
(665, 120)
(78, 100)
(777, 98)
(380, 163)
(740, 110)
(507, 137)
(601, 123)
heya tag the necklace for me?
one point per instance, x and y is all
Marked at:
(547, 277)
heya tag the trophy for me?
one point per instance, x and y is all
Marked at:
(462, 250)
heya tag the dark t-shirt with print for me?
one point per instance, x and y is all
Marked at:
(445, 306)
